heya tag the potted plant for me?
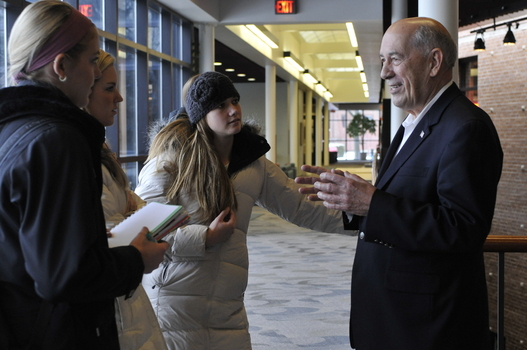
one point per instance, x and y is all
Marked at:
(358, 127)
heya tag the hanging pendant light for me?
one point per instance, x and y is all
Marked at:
(509, 37)
(479, 44)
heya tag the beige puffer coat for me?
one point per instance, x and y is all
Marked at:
(198, 295)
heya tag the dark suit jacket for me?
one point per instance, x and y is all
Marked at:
(418, 278)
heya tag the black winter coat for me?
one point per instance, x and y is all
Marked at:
(54, 253)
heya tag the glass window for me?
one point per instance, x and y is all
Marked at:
(3, 48)
(178, 81)
(180, 75)
(186, 41)
(468, 78)
(181, 39)
(154, 28)
(154, 88)
(94, 10)
(127, 68)
(176, 37)
(127, 19)
(360, 148)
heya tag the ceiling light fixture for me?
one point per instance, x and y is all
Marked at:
(479, 44)
(217, 64)
(509, 37)
(310, 77)
(295, 62)
(358, 59)
(366, 90)
(351, 33)
(363, 76)
(263, 34)
(365, 87)
(319, 83)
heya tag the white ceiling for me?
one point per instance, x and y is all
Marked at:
(317, 35)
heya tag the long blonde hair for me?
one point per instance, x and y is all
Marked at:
(186, 152)
(105, 60)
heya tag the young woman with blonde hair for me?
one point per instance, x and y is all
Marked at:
(117, 198)
(58, 278)
(137, 324)
(213, 164)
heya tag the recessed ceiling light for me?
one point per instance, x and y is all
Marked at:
(264, 35)
(217, 63)
(251, 79)
(240, 74)
(363, 77)
(229, 70)
(351, 33)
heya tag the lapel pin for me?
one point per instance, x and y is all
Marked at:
(422, 134)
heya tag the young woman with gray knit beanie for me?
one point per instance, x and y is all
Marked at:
(212, 163)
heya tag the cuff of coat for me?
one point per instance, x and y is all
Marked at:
(135, 267)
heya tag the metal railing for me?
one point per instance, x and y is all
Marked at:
(502, 245)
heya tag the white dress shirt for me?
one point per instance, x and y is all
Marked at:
(411, 121)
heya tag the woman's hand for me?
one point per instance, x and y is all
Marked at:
(222, 228)
(151, 252)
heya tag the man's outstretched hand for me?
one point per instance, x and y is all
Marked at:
(338, 189)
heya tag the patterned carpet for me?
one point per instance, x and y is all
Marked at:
(299, 286)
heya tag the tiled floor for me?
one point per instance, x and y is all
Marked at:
(299, 286)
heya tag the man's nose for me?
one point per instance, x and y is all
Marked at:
(386, 71)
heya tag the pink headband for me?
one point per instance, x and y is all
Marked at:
(66, 37)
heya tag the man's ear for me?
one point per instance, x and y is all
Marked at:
(59, 67)
(436, 61)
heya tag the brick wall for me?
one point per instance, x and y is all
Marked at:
(502, 92)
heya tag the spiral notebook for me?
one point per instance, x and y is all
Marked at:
(160, 219)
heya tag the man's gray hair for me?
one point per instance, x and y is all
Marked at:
(428, 37)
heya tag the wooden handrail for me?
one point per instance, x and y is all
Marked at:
(506, 244)
(501, 245)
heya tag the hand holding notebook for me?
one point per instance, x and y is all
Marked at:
(160, 219)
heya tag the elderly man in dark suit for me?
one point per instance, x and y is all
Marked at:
(418, 279)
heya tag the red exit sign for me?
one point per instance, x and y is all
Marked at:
(284, 7)
(86, 10)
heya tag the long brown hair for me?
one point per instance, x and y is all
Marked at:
(186, 152)
(109, 160)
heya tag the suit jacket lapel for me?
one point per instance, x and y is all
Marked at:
(420, 133)
(394, 145)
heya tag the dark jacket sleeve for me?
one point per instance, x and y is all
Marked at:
(62, 232)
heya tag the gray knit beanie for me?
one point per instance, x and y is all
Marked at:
(206, 93)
